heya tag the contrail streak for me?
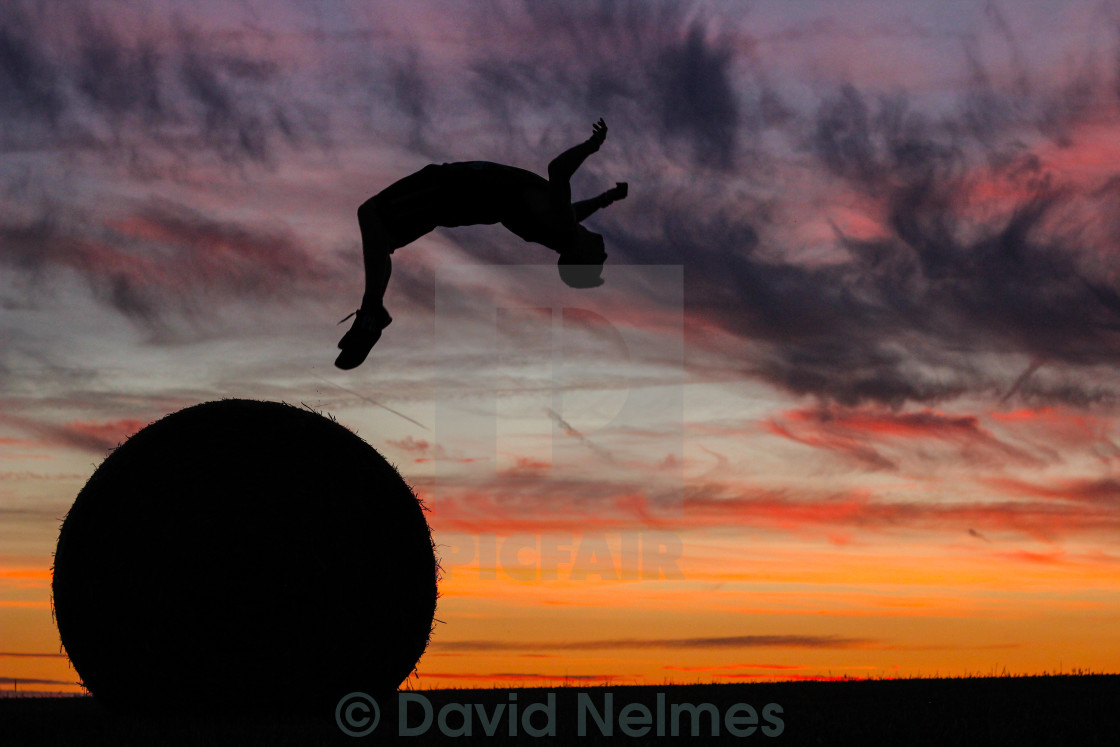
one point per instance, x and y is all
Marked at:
(370, 400)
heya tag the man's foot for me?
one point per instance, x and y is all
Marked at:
(361, 337)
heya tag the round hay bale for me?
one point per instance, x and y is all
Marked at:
(243, 554)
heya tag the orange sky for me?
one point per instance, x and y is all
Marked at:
(854, 366)
(918, 576)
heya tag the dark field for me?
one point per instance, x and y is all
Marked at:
(1050, 710)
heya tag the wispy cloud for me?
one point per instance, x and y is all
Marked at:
(541, 501)
(92, 436)
(1104, 492)
(893, 318)
(163, 257)
(35, 681)
(977, 535)
(713, 668)
(715, 642)
(867, 434)
(110, 78)
(497, 677)
(567, 429)
(712, 504)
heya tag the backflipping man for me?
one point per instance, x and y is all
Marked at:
(471, 193)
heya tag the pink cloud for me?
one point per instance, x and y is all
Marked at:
(861, 434)
(538, 503)
(1057, 557)
(1042, 520)
(1104, 492)
(100, 435)
(525, 466)
(846, 446)
(87, 435)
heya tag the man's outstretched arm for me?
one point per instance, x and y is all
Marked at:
(565, 164)
(584, 208)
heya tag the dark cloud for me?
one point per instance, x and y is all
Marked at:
(825, 330)
(650, 64)
(29, 79)
(697, 97)
(124, 81)
(35, 681)
(898, 318)
(238, 101)
(902, 317)
(1014, 286)
(842, 137)
(32, 656)
(412, 93)
(119, 78)
(499, 676)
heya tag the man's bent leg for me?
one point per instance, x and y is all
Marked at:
(372, 317)
(376, 249)
(396, 216)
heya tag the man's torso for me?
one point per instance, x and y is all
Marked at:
(481, 192)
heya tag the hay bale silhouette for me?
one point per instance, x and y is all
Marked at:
(243, 554)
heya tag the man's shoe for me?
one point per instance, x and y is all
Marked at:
(361, 337)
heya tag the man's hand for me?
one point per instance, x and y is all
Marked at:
(598, 133)
(619, 191)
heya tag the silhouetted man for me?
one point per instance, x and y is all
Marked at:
(471, 193)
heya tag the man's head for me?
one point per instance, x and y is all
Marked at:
(581, 264)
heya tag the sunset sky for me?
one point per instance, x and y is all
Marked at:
(847, 405)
